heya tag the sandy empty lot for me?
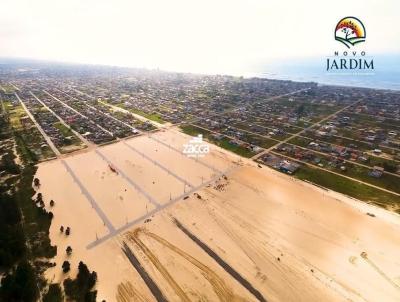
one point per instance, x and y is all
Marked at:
(255, 235)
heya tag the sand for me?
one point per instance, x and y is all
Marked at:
(328, 248)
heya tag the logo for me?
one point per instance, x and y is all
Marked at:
(196, 147)
(350, 31)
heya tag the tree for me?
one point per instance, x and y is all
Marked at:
(54, 294)
(52, 203)
(80, 289)
(62, 229)
(300, 109)
(68, 231)
(69, 250)
(39, 198)
(347, 31)
(36, 182)
(66, 266)
(41, 203)
(12, 240)
(389, 167)
(21, 285)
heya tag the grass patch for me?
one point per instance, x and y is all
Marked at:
(65, 131)
(223, 143)
(347, 186)
(151, 116)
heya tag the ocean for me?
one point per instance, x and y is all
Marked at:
(386, 74)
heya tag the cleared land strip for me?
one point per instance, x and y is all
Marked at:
(336, 173)
(77, 112)
(135, 115)
(93, 202)
(46, 137)
(304, 130)
(130, 181)
(180, 152)
(159, 165)
(62, 121)
(156, 210)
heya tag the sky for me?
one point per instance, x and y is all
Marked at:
(207, 36)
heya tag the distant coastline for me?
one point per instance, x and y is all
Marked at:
(386, 75)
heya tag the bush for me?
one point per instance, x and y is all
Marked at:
(66, 266)
(12, 240)
(80, 289)
(20, 285)
(54, 294)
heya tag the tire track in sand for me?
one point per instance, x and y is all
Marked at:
(143, 273)
(133, 236)
(223, 292)
(230, 270)
(126, 292)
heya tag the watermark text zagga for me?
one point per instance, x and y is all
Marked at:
(196, 147)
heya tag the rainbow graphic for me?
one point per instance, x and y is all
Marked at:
(350, 31)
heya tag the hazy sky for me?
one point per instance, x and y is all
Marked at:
(189, 35)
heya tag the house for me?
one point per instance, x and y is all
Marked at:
(288, 167)
(376, 172)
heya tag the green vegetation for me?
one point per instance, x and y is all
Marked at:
(70, 141)
(7, 163)
(347, 186)
(12, 240)
(20, 285)
(151, 116)
(30, 143)
(66, 266)
(36, 220)
(245, 126)
(54, 293)
(24, 226)
(80, 289)
(16, 114)
(356, 171)
(386, 181)
(66, 132)
(224, 142)
(23, 150)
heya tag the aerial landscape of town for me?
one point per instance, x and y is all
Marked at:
(297, 199)
(199, 151)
